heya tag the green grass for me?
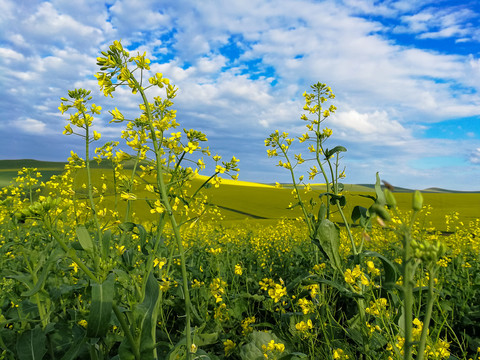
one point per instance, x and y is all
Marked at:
(267, 203)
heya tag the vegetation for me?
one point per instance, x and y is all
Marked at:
(130, 260)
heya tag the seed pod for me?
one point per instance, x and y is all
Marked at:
(381, 211)
(417, 202)
(391, 202)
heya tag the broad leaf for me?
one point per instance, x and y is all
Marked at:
(328, 235)
(391, 273)
(84, 238)
(146, 314)
(101, 308)
(31, 345)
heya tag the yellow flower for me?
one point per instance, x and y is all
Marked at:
(68, 130)
(219, 169)
(246, 325)
(159, 262)
(238, 270)
(372, 269)
(74, 266)
(229, 346)
(277, 292)
(304, 326)
(157, 207)
(128, 196)
(83, 323)
(339, 354)
(96, 135)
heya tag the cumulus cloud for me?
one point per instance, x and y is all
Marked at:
(475, 156)
(242, 68)
(376, 125)
(433, 23)
(31, 126)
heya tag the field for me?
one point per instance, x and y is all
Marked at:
(255, 276)
(240, 200)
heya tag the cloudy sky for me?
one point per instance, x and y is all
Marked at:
(406, 75)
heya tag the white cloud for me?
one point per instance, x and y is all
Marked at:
(377, 125)
(9, 55)
(31, 126)
(385, 91)
(434, 23)
(475, 156)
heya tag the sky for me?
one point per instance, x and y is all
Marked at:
(406, 75)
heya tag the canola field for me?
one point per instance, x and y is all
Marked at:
(259, 285)
(142, 258)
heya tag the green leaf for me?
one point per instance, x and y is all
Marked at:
(341, 199)
(106, 240)
(72, 353)
(146, 314)
(339, 286)
(31, 345)
(126, 226)
(294, 356)
(206, 339)
(101, 308)
(359, 212)
(335, 150)
(328, 235)
(44, 274)
(322, 212)
(84, 238)
(391, 273)
(39, 284)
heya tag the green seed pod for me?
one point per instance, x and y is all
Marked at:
(381, 211)
(442, 249)
(417, 202)
(391, 201)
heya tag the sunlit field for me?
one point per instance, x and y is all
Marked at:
(145, 255)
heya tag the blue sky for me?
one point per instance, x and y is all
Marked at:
(406, 75)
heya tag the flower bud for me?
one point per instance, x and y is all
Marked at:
(417, 202)
(391, 201)
(381, 211)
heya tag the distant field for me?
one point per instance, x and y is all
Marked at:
(265, 203)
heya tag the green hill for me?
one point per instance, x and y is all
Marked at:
(260, 202)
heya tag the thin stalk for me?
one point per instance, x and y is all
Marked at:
(126, 330)
(41, 309)
(132, 178)
(428, 316)
(345, 221)
(165, 201)
(299, 198)
(90, 189)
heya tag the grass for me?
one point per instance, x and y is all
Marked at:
(240, 200)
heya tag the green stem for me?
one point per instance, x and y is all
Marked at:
(132, 178)
(165, 201)
(41, 309)
(408, 295)
(428, 315)
(126, 330)
(349, 232)
(299, 198)
(90, 190)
